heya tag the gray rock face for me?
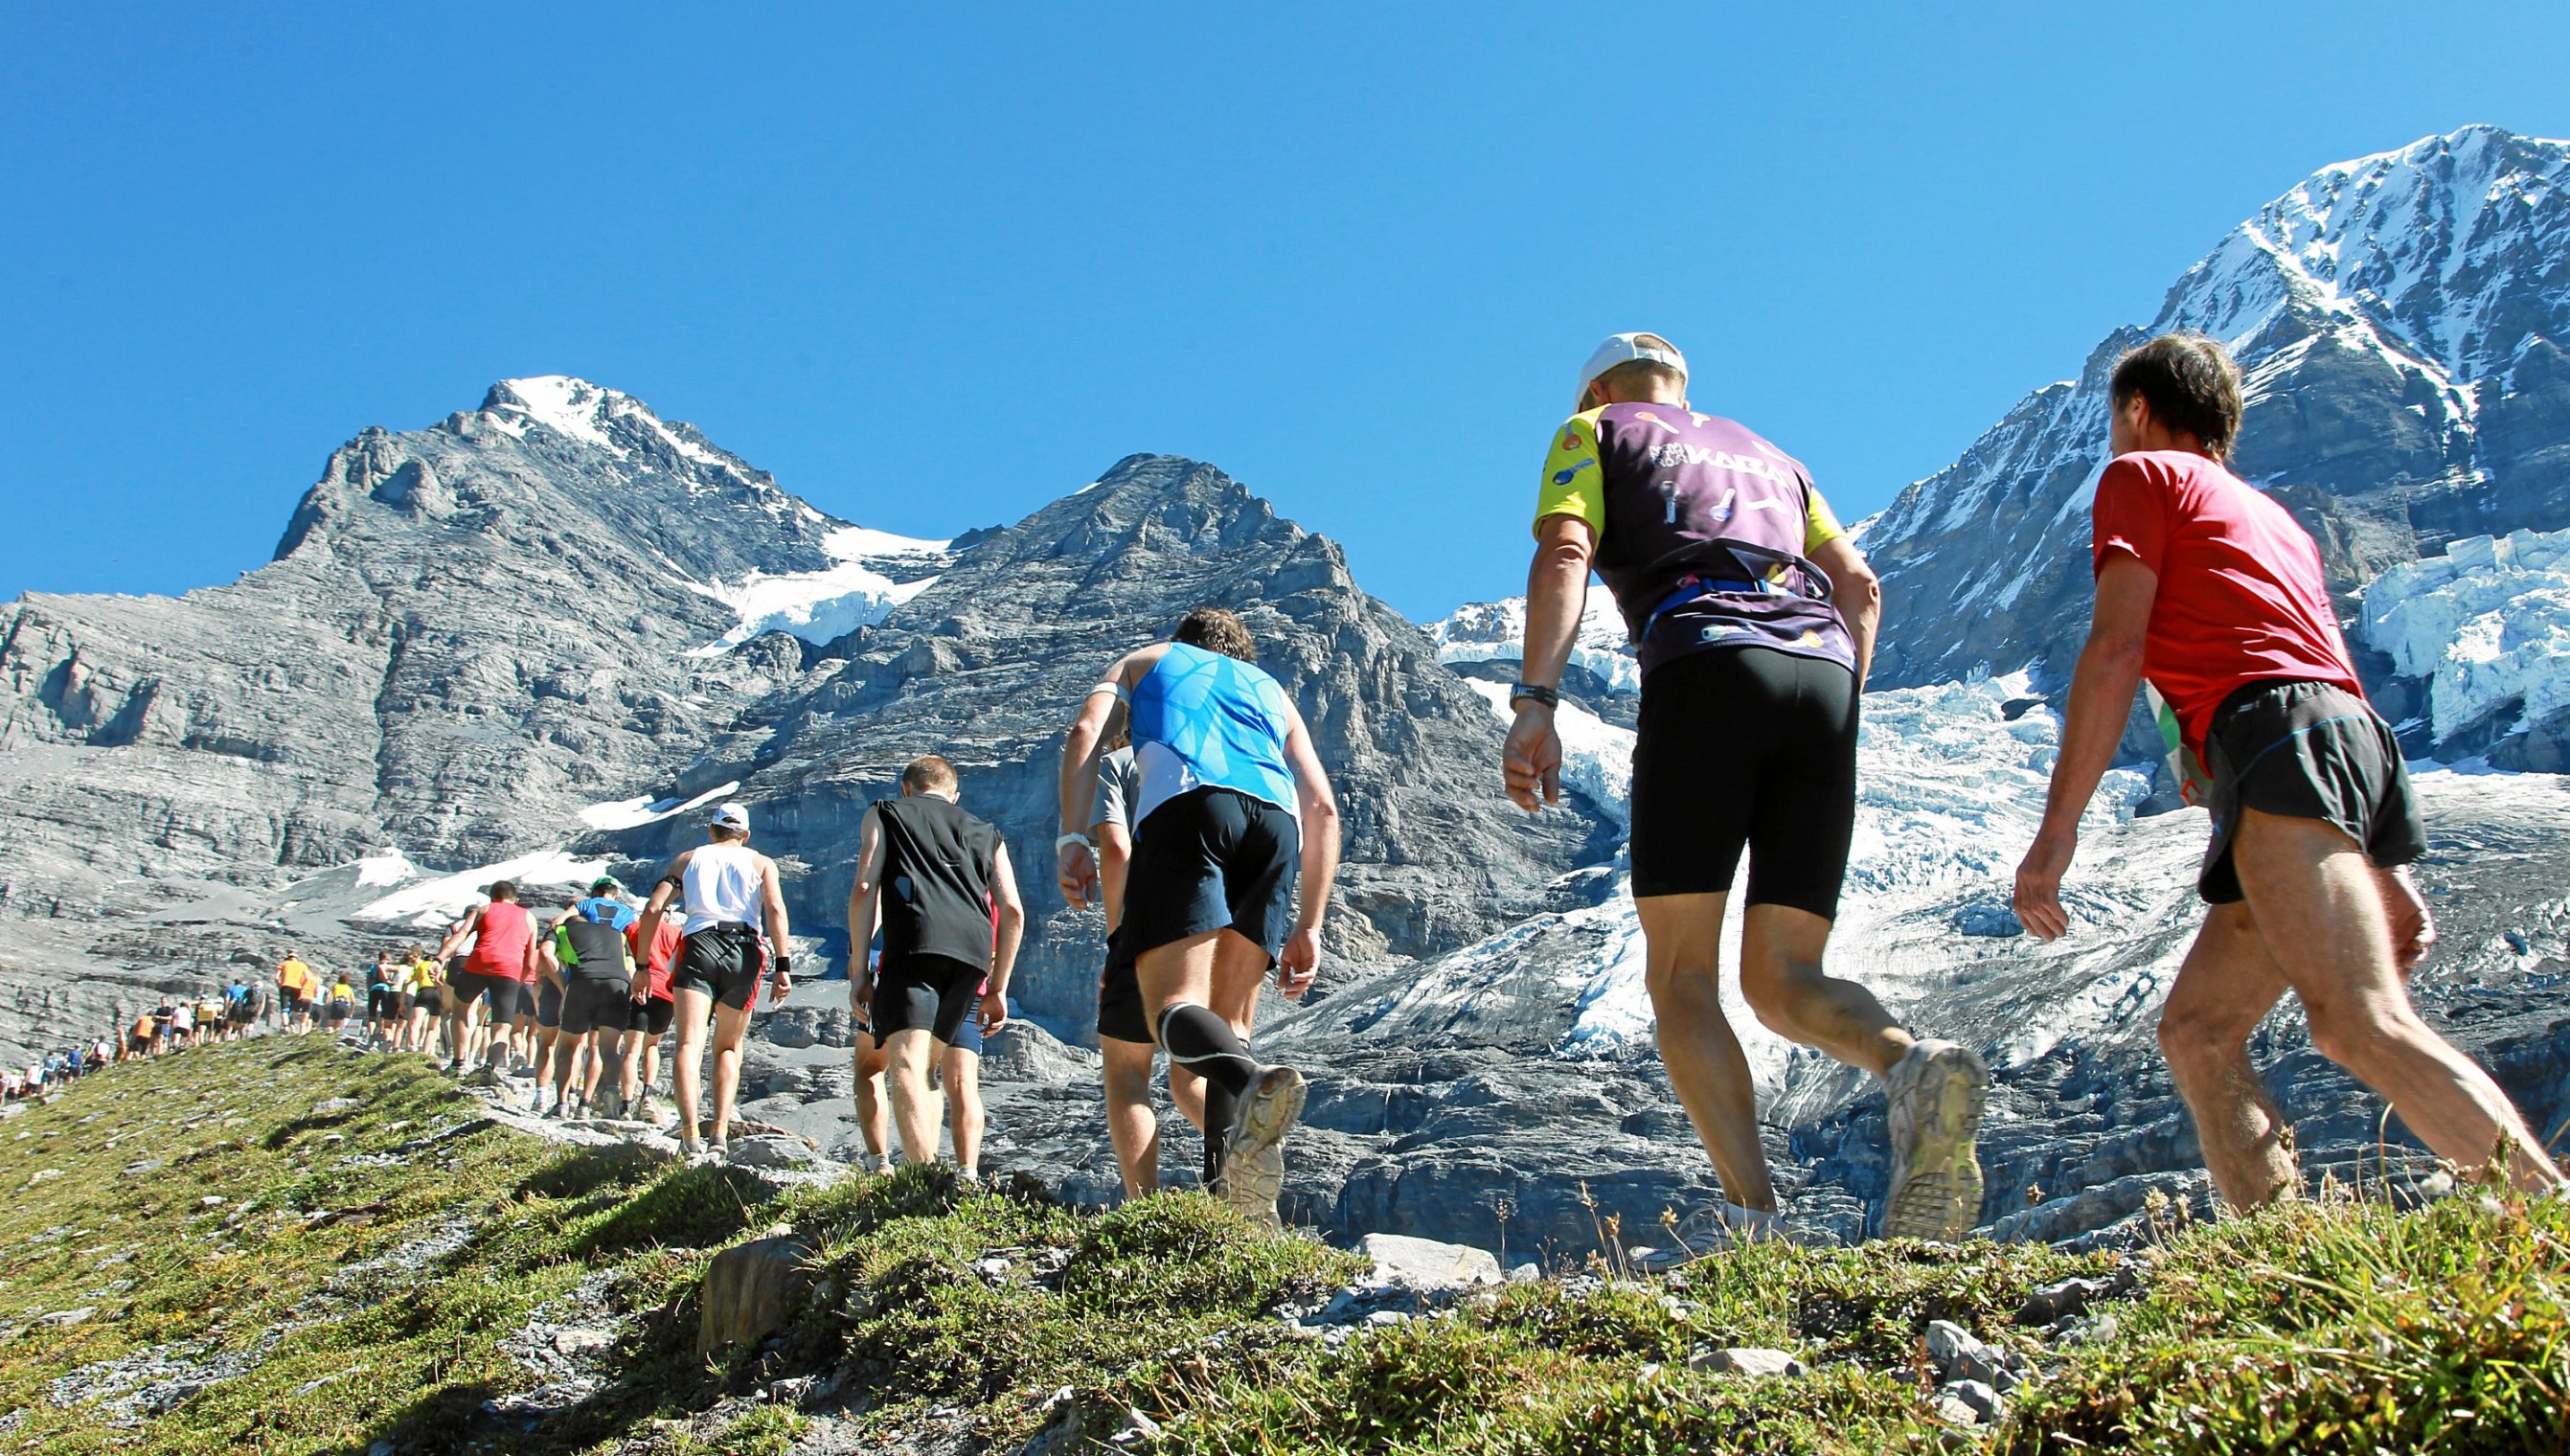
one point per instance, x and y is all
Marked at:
(2401, 319)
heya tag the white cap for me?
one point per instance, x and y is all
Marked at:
(1623, 348)
(730, 816)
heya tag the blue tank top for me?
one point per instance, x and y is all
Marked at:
(1200, 719)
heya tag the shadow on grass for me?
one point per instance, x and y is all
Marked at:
(692, 1208)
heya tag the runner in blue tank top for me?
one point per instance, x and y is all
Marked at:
(1233, 808)
(1753, 615)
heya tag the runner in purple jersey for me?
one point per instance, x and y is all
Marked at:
(1754, 619)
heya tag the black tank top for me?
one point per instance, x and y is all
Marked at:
(936, 881)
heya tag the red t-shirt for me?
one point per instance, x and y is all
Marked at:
(664, 953)
(499, 941)
(2242, 598)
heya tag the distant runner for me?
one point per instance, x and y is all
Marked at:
(652, 1014)
(728, 891)
(423, 1001)
(1124, 1028)
(502, 955)
(1233, 803)
(1753, 615)
(596, 953)
(872, 1065)
(296, 988)
(384, 1000)
(2211, 591)
(937, 880)
(339, 1002)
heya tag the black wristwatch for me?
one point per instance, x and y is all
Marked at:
(1550, 698)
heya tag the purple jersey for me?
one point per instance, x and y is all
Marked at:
(1702, 532)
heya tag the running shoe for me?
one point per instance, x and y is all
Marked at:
(1726, 1225)
(1253, 1159)
(1937, 1091)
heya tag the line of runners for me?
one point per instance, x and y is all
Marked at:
(1194, 809)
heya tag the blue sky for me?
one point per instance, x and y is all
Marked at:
(936, 266)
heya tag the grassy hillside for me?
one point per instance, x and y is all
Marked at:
(283, 1246)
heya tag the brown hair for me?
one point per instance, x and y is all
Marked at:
(1218, 630)
(2191, 384)
(927, 774)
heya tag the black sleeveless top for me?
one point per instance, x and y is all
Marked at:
(937, 870)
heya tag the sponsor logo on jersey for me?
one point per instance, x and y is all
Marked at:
(1563, 477)
(1677, 452)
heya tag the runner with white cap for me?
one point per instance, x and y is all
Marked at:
(1753, 615)
(727, 891)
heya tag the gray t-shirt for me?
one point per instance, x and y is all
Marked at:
(1119, 781)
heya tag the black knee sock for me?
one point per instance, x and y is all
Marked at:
(1203, 1043)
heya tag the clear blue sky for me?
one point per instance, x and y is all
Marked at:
(936, 266)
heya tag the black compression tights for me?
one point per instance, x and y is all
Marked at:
(1204, 1044)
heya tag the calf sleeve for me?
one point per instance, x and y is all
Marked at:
(1204, 1044)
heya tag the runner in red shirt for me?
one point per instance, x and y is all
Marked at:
(2212, 591)
(500, 962)
(657, 1008)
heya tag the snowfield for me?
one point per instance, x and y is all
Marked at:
(823, 606)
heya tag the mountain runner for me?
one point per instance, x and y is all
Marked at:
(424, 999)
(1753, 615)
(650, 1017)
(1233, 803)
(872, 1063)
(540, 1016)
(494, 973)
(939, 881)
(240, 1007)
(593, 944)
(2209, 591)
(294, 990)
(384, 1001)
(720, 885)
(1123, 1028)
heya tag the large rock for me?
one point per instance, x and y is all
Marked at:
(751, 1289)
(1425, 1263)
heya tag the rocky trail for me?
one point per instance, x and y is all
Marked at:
(290, 1246)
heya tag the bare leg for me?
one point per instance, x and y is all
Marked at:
(912, 1049)
(1781, 980)
(2225, 988)
(964, 1114)
(687, 1071)
(729, 1024)
(874, 1099)
(1682, 938)
(1130, 1122)
(2319, 906)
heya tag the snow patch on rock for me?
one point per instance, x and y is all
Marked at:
(632, 813)
(823, 606)
(2486, 623)
(1484, 632)
(432, 904)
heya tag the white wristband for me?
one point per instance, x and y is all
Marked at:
(1081, 840)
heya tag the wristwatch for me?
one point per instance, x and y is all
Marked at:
(1548, 696)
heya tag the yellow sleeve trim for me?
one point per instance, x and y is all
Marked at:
(1572, 483)
(1820, 525)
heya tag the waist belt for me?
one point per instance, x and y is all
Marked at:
(1691, 589)
(730, 927)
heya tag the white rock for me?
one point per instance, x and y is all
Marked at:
(1747, 1360)
(1425, 1263)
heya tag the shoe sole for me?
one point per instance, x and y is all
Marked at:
(1253, 1165)
(1939, 1195)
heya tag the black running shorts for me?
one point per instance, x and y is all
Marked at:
(1746, 747)
(1213, 859)
(549, 1004)
(652, 1017)
(597, 1004)
(2306, 750)
(725, 962)
(429, 999)
(929, 993)
(472, 986)
(383, 1003)
(1120, 1013)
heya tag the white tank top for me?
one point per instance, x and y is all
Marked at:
(723, 886)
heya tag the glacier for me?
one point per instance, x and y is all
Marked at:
(2486, 623)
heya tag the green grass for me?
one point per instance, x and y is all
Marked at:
(2326, 1327)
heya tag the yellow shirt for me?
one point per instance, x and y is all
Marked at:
(293, 975)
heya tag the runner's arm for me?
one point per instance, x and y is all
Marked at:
(1858, 594)
(455, 937)
(1091, 729)
(1301, 961)
(1556, 593)
(863, 905)
(655, 907)
(2101, 699)
(1012, 934)
(771, 905)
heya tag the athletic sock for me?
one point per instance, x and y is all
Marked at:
(1204, 1044)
